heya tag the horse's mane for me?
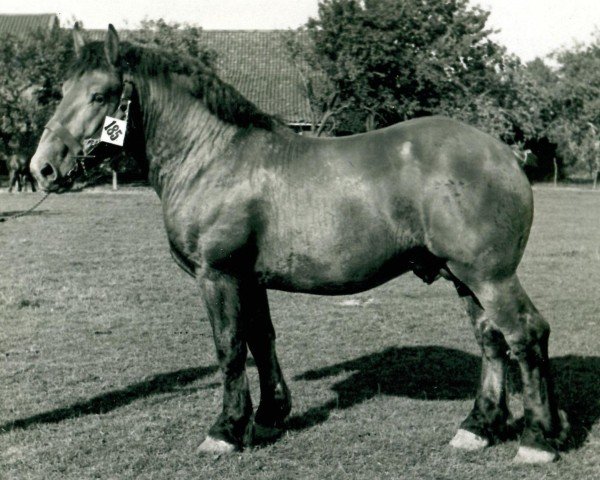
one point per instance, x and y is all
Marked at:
(220, 98)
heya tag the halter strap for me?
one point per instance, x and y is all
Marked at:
(61, 132)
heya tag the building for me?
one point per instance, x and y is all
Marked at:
(256, 64)
(20, 25)
(253, 61)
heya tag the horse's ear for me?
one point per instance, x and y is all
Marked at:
(111, 45)
(78, 40)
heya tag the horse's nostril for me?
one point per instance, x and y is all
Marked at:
(47, 171)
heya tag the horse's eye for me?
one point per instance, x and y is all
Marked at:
(98, 98)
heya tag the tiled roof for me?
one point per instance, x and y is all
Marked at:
(256, 64)
(20, 24)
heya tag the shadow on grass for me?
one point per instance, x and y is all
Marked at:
(577, 381)
(424, 373)
(439, 373)
(162, 383)
(7, 215)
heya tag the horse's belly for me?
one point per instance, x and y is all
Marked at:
(301, 272)
(338, 239)
(354, 258)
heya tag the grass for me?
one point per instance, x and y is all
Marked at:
(108, 364)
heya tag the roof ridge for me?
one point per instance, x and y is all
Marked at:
(27, 14)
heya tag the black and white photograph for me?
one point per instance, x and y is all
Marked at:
(308, 239)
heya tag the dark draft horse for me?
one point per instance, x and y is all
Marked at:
(249, 205)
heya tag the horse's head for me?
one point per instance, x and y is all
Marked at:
(90, 94)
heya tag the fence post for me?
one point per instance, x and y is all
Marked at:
(115, 185)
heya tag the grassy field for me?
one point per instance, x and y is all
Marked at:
(108, 366)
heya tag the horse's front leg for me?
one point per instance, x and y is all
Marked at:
(222, 295)
(275, 399)
(12, 181)
(31, 182)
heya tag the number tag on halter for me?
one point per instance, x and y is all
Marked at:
(113, 131)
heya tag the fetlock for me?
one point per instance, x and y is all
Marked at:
(230, 430)
(490, 421)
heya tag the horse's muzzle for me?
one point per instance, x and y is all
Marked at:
(46, 175)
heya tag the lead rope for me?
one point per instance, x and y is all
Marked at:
(26, 212)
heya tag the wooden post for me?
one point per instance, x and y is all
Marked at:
(115, 185)
(554, 162)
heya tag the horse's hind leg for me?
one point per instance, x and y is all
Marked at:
(225, 300)
(526, 332)
(275, 400)
(487, 422)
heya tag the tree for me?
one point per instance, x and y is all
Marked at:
(181, 39)
(321, 93)
(33, 69)
(391, 60)
(575, 95)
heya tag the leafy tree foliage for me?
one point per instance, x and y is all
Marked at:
(30, 85)
(574, 120)
(369, 63)
(179, 38)
(391, 60)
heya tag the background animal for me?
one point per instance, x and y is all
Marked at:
(19, 174)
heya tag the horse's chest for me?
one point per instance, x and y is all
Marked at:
(218, 233)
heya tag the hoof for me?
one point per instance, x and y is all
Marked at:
(534, 455)
(468, 441)
(216, 446)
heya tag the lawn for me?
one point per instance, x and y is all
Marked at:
(108, 367)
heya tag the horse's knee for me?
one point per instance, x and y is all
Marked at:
(493, 344)
(514, 316)
(532, 335)
(232, 360)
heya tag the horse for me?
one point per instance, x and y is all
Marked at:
(249, 205)
(18, 172)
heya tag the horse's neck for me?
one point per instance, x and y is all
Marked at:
(178, 130)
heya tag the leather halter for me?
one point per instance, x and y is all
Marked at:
(92, 152)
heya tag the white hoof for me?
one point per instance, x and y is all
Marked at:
(534, 455)
(216, 446)
(468, 441)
